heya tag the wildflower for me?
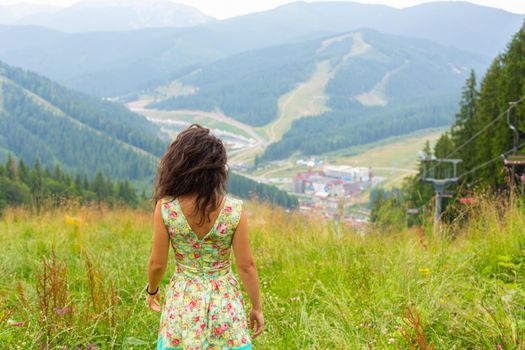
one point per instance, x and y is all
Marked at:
(425, 271)
(73, 221)
(391, 341)
(63, 311)
(15, 323)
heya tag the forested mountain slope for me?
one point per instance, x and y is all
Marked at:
(41, 119)
(376, 86)
(393, 86)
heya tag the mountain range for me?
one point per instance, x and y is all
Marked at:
(312, 77)
(100, 15)
(11, 14)
(121, 63)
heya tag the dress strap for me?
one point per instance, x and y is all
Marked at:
(166, 210)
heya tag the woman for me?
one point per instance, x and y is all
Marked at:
(203, 307)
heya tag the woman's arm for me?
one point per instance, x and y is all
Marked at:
(158, 260)
(248, 272)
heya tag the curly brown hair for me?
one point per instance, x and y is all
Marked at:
(195, 163)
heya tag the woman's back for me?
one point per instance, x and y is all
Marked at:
(204, 308)
(210, 255)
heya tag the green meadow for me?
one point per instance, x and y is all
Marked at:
(74, 278)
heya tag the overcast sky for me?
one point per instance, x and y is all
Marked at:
(231, 8)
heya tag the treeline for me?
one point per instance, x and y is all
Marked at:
(247, 188)
(480, 135)
(37, 185)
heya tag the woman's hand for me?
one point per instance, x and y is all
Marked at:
(257, 322)
(154, 302)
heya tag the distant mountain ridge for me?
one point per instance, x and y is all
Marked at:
(114, 15)
(120, 63)
(12, 14)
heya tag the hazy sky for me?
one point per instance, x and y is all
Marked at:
(230, 8)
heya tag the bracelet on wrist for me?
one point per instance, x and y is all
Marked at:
(150, 293)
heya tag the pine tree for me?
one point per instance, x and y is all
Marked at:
(489, 143)
(11, 169)
(36, 184)
(98, 185)
(415, 191)
(465, 124)
(57, 174)
(23, 171)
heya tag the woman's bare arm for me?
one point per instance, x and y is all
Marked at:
(158, 260)
(248, 272)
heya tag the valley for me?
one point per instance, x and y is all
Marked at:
(352, 90)
(390, 160)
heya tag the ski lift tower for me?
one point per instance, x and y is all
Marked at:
(514, 161)
(439, 184)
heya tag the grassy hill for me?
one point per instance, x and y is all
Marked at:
(323, 287)
(41, 119)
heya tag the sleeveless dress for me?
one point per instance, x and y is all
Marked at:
(203, 307)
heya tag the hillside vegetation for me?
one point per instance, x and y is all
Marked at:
(481, 135)
(40, 119)
(75, 277)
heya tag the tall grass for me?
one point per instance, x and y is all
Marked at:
(73, 278)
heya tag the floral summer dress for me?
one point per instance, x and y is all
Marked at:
(203, 306)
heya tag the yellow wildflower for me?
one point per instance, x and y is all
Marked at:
(425, 271)
(73, 221)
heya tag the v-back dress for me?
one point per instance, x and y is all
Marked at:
(203, 306)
